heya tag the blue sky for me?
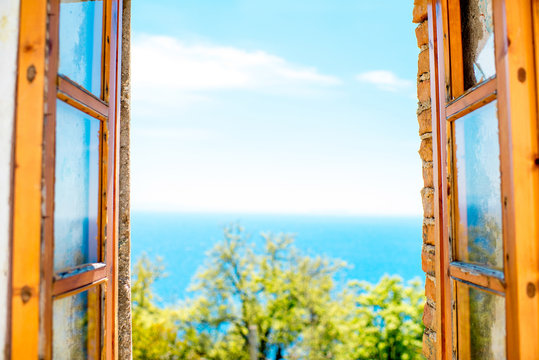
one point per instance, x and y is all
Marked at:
(275, 107)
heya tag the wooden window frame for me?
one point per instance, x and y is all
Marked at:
(515, 88)
(34, 286)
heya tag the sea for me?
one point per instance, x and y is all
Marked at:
(371, 246)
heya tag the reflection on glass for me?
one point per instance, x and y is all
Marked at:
(477, 41)
(481, 324)
(76, 188)
(81, 33)
(479, 211)
(76, 326)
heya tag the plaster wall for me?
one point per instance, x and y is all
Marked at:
(124, 243)
(9, 32)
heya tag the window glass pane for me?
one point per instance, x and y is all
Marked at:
(77, 328)
(481, 324)
(81, 33)
(477, 41)
(479, 210)
(76, 187)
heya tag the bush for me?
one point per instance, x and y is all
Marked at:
(276, 303)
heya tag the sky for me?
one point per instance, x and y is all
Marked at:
(275, 106)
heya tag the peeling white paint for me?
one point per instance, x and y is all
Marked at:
(9, 31)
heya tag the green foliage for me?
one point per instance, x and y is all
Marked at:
(275, 303)
(154, 328)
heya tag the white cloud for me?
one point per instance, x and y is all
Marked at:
(163, 62)
(385, 80)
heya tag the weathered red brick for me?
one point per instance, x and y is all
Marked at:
(429, 317)
(425, 150)
(425, 122)
(420, 11)
(428, 234)
(423, 62)
(428, 179)
(429, 345)
(422, 33)
(423, 91)
(427, 197)
(427, 261)
(430, 289)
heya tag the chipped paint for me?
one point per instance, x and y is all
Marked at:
(3, 28)
(9, 17)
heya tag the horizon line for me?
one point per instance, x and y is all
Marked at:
(283, 213)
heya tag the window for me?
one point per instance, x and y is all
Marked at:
(78, 243)
(485, 150)
(476, 240)
(69, 260)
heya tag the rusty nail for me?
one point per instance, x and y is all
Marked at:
(26, 294)
(521, 75)
(530, 290)
(31, 73)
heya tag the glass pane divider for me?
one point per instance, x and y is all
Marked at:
(487, 279)
(78, 270)
(77, 97)
(479, 287)
(79, 282)
(473, 99)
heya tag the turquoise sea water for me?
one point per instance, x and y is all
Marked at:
(372, 246)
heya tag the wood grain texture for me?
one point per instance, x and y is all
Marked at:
(112, 134)
(515, 56)
(455, 48)
(436, 12)
(49, 161)
(26, 242)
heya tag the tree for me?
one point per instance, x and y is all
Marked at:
(273, 302)
(154, 329)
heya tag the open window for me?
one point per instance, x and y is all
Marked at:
(485, 133)
(79, 253)
(64, 286)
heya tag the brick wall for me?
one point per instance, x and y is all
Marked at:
(427, 193)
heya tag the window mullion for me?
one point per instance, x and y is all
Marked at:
(478, 275)
(79, 277)
(472, 100)
(455, 49)
(70, 290)
(81, 99)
